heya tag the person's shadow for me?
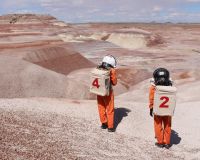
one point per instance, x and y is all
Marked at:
(119, 114)
(175, 139)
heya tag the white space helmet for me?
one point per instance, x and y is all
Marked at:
(110, 60)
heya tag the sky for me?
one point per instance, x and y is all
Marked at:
(82, 11)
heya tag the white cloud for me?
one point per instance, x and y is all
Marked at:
(109, 14)
(9, 3)
(193, 0)
(94, 10)
(24, 11)
(62, 3)
(175, 14)
(77, 2)
(157, 9)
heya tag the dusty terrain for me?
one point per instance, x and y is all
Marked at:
(47, 112)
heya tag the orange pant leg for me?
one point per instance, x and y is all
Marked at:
(110, 109)
(158, 128)
(102, 109)
(167, 129)
(106, 109)
(162, 126)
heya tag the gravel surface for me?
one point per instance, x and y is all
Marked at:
(30, 130)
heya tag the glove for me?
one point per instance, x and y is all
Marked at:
(151, 112)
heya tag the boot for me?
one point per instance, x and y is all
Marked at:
(167, 146)
(111, 130)
(159, 145)
(104, 126)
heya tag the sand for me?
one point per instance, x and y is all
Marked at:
(47, 112)
(52, 128)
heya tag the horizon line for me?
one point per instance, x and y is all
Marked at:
(110, 22)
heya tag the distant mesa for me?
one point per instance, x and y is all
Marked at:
(25, 18)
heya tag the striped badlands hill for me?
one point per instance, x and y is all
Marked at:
(35, 62)
(58, 59)
(20, 78)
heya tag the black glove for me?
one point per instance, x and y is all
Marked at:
(151, 112)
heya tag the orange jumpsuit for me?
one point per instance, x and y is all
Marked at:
(162, 124)
(106, 103)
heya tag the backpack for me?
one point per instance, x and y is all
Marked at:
(100, 82)
(165, 100)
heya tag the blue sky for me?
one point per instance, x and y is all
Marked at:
(77, 11)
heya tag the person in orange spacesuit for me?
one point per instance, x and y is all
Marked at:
(162, 124)
(106, 103)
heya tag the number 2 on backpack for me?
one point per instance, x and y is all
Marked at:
(96, 83)
(163, 104)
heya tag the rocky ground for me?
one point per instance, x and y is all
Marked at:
(47, 112)
(42, 128)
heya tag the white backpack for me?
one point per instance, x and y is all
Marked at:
(164, 100)
(100, 82)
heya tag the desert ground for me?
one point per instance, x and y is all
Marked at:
(47, 111)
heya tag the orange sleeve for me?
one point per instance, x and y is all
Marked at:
(113, 76)
(151, 96)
